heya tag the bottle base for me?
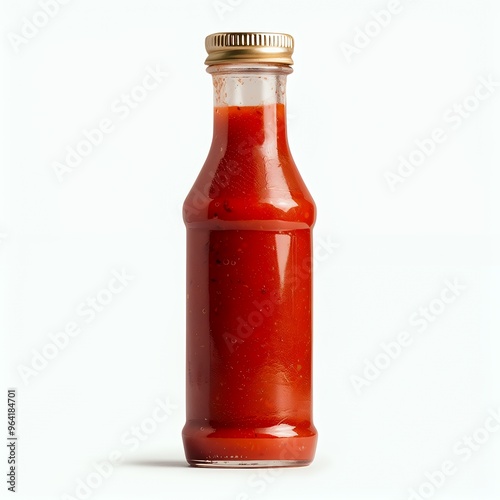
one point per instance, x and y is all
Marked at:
(248, 448)
(248, 464)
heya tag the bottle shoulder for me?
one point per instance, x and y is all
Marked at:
(263, 189)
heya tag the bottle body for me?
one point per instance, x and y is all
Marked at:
(249, 219)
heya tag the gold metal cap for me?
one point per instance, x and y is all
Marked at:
(227, 48)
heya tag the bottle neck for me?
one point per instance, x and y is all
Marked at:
(249, 108)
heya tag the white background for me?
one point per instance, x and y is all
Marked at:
(120, 208)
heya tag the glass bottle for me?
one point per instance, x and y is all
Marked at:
(249, 219)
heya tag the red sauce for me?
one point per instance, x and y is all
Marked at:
(249, 218)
